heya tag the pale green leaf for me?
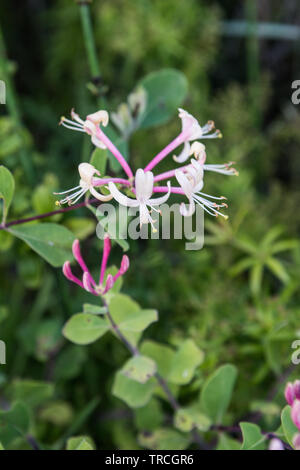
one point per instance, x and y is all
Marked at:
(184, 362)
(164, 439)
(7, 189)
(288, 426)
(85, 328)
(139, 368)
(81, 227)
(80, 443)
(217, 391)
(253, 439)
(166, 91)
(31, 392)
(133, 393)
(277, 269)
(188, 418)
(94, 309)
(256, 278)
(14, 423)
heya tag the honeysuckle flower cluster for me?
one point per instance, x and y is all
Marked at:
(87, 281)
(190, 177)
(292, 396)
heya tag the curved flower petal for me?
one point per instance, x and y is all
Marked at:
(97, 142)
(100, 197)
(121, 198)
(187, 210)
(184, 183)
(190, 125)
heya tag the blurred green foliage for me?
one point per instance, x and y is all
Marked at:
(237, 299)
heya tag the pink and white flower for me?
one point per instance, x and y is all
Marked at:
(192, 130)
(89, 126)
(191, 182)
(92, 126)
(86, 183)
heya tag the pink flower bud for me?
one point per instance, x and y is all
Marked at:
(124, 264)
(289, 393)
(109, 283)
(297, 389)
(69, 275)
(77, 255)
(295, 414)
(87, 281)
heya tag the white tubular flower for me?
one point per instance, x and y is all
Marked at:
(88, 126)
(192, 130)
(144, 182)
(86, 172)
(191, 182)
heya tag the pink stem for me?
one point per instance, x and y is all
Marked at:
(116, 153)
(102, 181)
(165, 189)
(168, 149)
(106, 252)
(169, 174)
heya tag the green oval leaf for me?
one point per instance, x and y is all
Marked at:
(288, 426)
(216, 393)
(253, 439)
(184, 362)
(133, 393)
